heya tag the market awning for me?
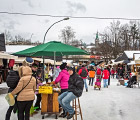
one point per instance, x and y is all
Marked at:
(119, 62)
(131, 63)
(4, 55)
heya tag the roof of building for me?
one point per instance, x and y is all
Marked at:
(128, 55)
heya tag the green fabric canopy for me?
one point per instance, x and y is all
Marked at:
(48, 49)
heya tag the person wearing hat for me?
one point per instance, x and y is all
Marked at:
(75, 90)
(27, 62)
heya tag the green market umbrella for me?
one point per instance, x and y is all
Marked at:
(53, 48)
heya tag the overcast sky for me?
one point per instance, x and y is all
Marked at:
(85, 28)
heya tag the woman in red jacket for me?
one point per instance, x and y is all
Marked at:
(105, 76)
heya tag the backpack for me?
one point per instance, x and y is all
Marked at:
(83, 73)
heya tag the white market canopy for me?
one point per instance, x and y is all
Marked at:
(131, 63)
(21, 59)
(4, 55)
(16, 48)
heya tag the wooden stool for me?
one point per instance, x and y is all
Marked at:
(76, 107)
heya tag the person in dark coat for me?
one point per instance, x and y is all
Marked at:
(108, 68)
(12, 81)
(75, 90)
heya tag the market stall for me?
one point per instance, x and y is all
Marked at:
(4, 61)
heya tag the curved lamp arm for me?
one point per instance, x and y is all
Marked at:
(51, 26)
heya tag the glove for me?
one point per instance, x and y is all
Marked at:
(53, 82)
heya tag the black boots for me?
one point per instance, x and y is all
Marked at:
(70, 115)
(86, 90)
(63, 114)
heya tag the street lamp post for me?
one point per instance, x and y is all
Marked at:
(44, 42)
(53, 25)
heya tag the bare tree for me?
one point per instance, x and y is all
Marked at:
(67, 35)
(8, 36)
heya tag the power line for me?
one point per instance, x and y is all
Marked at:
(84, 17)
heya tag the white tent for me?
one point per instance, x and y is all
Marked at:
(21, 59)
(4, 55)
(131, 63)
(119, 62)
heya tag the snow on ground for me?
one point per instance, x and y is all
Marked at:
(113, 103)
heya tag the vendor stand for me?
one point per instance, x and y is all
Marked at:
(135, 68)
(49, 102)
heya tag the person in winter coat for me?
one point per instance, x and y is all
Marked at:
(39, 83)
(12, 81)
(99, 73)
(84, 78)
(27, 95)
(91, 76)
(27, 62)
(75, 89)
(112, 73)
(121, 72)
(56, 73)
(108, 68)
(79, 67)
(105, 76)
(62, 78)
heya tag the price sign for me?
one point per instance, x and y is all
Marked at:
(45, 89)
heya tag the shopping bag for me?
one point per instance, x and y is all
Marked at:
(10, 99)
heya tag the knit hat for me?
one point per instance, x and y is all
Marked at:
(29, 60)
(72, 68)
(63, 66)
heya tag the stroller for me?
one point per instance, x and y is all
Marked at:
(98, 82)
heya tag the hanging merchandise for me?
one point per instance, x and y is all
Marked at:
(11, 63)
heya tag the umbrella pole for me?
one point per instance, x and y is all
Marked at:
(54, 59)
(43, 69)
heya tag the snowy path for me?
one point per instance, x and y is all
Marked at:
(113, 103)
